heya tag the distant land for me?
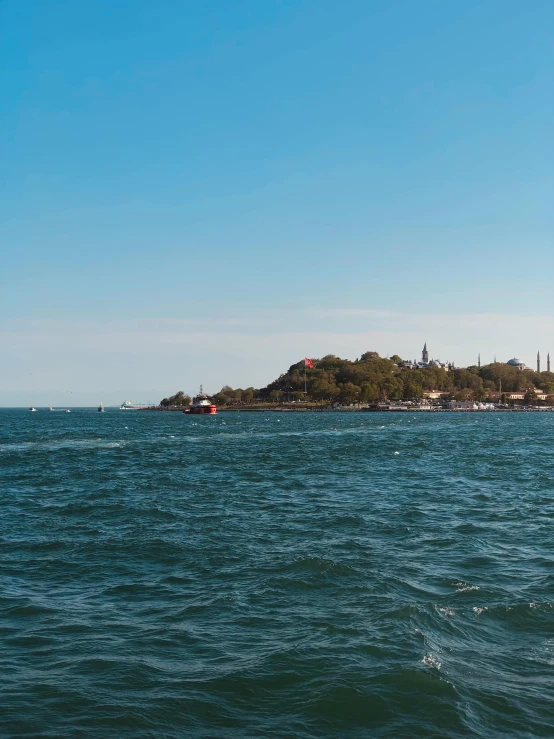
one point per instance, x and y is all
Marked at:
(373, 379)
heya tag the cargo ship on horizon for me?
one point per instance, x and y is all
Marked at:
(128, 406)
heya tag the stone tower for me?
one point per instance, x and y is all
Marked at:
(538, 361)
(425, 355)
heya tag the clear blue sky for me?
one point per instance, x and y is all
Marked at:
(208, 191)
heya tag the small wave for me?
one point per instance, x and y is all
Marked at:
(429, 660)
(464, 587)
(540, 607)
(60, 445)
(27, 610)
(16, 447)
(320, 565)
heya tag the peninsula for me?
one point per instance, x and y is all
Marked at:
(372, 382)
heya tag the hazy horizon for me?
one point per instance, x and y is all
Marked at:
(248, 354)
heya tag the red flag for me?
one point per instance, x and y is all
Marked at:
(308, 362)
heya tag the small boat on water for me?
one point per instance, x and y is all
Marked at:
(100, 408)
(201, 405)
(50, 409)
(33, 410)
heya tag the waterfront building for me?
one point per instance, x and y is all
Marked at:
(461, 405)
(435, 394)
(520, 394)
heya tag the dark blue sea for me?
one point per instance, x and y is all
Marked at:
(298, 576)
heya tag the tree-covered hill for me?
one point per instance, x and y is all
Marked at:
(372, 378)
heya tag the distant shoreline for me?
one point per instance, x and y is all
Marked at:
(329, 409)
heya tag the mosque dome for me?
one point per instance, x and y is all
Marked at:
(515, 362)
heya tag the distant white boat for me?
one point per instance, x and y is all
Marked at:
(50, 409)
(128, 406)
(68, 411)
(33, 410)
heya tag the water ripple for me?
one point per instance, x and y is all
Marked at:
(273, 575)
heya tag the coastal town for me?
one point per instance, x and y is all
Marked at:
(374, 383)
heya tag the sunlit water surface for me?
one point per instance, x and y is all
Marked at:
(297, 576)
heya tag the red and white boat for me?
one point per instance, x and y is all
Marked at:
(202, 405)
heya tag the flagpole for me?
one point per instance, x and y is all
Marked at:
(307, 363)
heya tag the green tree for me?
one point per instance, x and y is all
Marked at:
(393, 387)
(322, 389)
(481, 393)
(464, 394)
(530, 397)
(412, 389)
(178, 400)
(349, 393)
(369, 392)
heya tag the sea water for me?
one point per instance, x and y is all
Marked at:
(276, 575)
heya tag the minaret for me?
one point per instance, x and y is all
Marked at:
(479, 360)
(425, 355)
(548, 362)
(538, 361)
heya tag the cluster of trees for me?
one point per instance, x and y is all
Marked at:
(179, 400)
(372, 378)
(368, 379)
(228, 396)
(514, 379)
